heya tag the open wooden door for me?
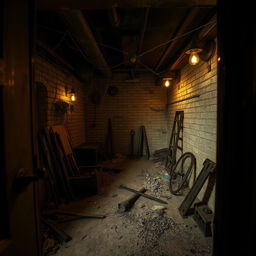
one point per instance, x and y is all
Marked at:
(19, 232)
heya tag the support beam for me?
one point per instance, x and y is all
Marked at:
(207, 32)
(99, 4)
(79, 27)
(185, 26)
(143, 30)
(54, 54)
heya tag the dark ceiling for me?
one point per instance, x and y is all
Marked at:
(129, 39)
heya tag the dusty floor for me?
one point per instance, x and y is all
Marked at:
(142, 231)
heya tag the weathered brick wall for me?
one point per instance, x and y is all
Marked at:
(137, 103)
(200, 114)
(56, 81)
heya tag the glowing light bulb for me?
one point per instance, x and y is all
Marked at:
(167, 83)
(73, 95)
(193, 58)
(73, 98)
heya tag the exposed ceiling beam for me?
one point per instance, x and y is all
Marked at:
(58, 58)
(143, 30)
(203, 35)
(184, 27)
(80, 29)
(99, 4)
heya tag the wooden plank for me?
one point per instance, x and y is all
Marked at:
(47, 162)
(56, 166)
(63, 169)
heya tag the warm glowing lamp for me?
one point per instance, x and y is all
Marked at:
(167, 83)
(194, 57)
(73, 95)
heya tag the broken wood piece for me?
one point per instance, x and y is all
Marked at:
(60, 234)
(127, 204)
(80, 215)
(75, 214)
(142, 194)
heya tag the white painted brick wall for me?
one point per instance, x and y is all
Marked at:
(200, 114)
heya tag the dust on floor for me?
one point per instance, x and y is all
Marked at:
(148, 229)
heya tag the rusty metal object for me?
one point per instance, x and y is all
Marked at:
(181, 172)
(209, 167)
(204, 217)
(144, 137)
(142, 194)
(127, 204)
(132, 134)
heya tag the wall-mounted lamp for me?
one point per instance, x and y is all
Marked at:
(72, 95)
(204, 53)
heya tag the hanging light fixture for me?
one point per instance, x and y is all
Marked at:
(167, 81)
(194, 57)
(204, 53)
(169, 77)
(73, 95)
(193, 52)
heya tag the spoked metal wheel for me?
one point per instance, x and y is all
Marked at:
(179, 175)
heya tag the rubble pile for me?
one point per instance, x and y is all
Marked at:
(151, 225)
(154, 181)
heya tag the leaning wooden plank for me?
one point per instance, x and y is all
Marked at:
(74, 164)
(62, 132)
(56, 166)
(127, 204)
(60, 234)
(146, 141)
(209, 167)
(46, 161)
(59, 155)
(64, 156)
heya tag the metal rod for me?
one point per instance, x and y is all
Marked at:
(177, 101)
(142, 194)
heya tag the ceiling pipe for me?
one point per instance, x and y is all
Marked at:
(202, 36)
(193, 14)
(80, 29)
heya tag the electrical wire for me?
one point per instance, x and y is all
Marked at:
(175, 38)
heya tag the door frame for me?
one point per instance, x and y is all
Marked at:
(19, 129)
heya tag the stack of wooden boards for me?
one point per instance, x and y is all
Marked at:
(56, 155)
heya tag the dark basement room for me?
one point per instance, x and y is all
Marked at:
(127, 128)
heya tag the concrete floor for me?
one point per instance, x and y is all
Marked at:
(140, 232)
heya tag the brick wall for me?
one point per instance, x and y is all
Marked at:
(52, 83)
(137, 103)
(200, 114)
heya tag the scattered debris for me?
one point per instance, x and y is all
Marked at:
(158, 209)
(150, 228)
(154, 182)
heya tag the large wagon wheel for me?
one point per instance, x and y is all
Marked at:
(181, 171)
